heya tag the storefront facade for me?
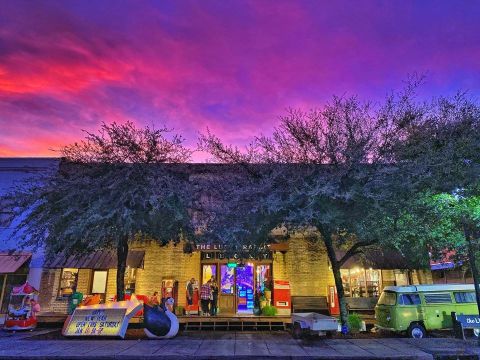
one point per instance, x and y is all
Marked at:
(305, 265)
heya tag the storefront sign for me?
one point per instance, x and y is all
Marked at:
(283, 246)
(215, 255)
(102, 320)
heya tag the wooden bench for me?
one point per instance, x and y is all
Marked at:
(317, 304)
(364, 305)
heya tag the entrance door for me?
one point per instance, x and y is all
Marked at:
(245, 293)
(226, 299)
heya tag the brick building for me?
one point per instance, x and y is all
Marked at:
(305, 265)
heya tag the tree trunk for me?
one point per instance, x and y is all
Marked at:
(338, 279)
(122, 253)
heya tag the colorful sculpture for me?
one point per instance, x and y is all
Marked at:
(160, 322)
(22, 309)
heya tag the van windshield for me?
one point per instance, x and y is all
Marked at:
(387, 298)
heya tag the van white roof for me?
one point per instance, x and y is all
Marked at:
(430, 287)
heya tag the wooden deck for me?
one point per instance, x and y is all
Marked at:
(234, 322)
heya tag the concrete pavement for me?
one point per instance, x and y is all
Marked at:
(231, 345)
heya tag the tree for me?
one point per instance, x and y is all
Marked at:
(456, 225)
(112, 188)
(332, 169)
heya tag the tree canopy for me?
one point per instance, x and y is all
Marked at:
(111, 189)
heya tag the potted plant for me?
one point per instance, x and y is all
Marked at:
(269, 310)
(355, 323)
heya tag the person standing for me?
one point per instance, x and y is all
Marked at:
(205, 293)
(214, 302)
(190, 289)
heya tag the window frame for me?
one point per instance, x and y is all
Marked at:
(59, 291)
(465, 293)
(402, 303)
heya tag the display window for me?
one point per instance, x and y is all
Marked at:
(130, 279)
(359, 282)
(68, 281)
(373, 282)
(227, 279)
(263, 278)
(401, 278)
(208, 271)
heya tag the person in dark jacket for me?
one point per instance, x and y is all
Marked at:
(214, 297)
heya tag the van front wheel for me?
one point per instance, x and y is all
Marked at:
(416, 331)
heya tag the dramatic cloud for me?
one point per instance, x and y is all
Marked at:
(233, 66)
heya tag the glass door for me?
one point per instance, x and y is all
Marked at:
(245, 283)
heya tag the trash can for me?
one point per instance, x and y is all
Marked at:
(75, 300)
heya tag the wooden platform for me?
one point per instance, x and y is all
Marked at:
(234, 322)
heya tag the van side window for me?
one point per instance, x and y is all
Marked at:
(438, 298)
(465, 297)
(409, 299)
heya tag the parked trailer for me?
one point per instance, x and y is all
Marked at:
(313, 323)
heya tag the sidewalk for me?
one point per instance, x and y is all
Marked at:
(235, 346)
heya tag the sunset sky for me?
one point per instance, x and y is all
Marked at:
(233, 66)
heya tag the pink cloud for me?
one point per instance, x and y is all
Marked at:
(233, 67)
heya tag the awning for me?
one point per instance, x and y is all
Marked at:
(10, 263)
(387, 259)
(101, 259)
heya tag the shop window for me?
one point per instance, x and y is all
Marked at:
(208, 271)
(227, 279)
(465, 297)
(99, 283)
(409, 299)
(68, 281)
(130, 279)
(359, 282)
(401, 278)
(345, 273)
(263, 278)
(373, 282)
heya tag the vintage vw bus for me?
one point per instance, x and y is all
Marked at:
(417, 309)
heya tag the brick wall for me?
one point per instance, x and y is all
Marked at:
(167, 262)
(84, 280)
(48, 296)
(306, 266)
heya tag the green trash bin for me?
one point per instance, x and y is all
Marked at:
(75, 300)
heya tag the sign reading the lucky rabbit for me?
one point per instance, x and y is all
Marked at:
(101, 320)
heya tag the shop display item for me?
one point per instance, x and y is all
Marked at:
(22, 309)
(159, 321)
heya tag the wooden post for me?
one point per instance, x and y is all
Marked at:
(2, 295)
